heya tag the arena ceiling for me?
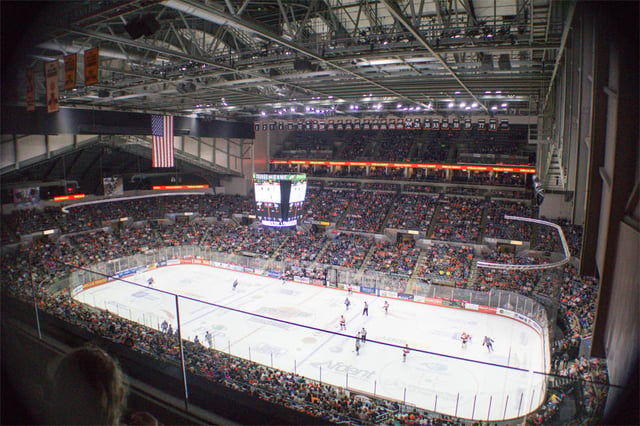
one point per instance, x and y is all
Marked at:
(246, 59)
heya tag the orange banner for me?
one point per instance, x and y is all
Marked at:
(70, 67)
(91, 66)
(30, 95)
(51, 82)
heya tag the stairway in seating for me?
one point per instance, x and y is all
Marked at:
(473, 274)
(554, 180)
(411, 282)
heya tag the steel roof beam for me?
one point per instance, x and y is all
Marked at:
(424, 42)
(203, 12)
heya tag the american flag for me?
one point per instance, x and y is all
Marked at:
(162, 135)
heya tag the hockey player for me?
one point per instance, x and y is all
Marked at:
(150, 282)
(488, 342)
(363, 335)
(357, 346)
(405, 352)
(343, 323)
(464, 338)
(207, 337)
(235, 284)
(365, 310)
(347, 303)
(164, 326)
(386, 307)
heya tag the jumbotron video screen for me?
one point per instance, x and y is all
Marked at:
(279, 198)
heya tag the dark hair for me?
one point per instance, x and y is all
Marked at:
(88, 388)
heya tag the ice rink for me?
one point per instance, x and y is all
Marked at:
(438, 374)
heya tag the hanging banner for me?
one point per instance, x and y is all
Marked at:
(51, 83)
(70, 67)
(113, 186)
(91, 66)
(30, 95)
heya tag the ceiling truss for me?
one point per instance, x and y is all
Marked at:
(246, 59)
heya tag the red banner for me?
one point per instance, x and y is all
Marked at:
(70, 67)
(30, 95)
(51, 82)
(91, 66)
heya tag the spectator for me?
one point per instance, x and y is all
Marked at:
(88, 388)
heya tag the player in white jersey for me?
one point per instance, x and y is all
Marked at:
(488, 342)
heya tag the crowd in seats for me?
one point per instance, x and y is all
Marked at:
(224, 206)
(510, 179)
(381, 186)
(346, 250)
(429, 175)
(357, 145)
(578, 297)
(461, 190)
(316, 274)
(326, 205)
(458, 219)
(546, 239)
(497, 226)
(259, 240)
(573, 235)
(422, 189)
(394, 258)
(402, 174)
(501, 193)
(412, 211)
(432, 146)
(31, 220)
(444, 263)
(426, 145)
(366, 212)
(305, 145)
(7, 236)
(593, 375)
(395, 145)
(520, 281)
(300, 247)
(342, 184)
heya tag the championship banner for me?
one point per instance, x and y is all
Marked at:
(91, 66)
(70, 67)
(51, 83)
(30, 95)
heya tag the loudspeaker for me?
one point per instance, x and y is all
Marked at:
(302, 65)
(486, 62)
(144, 25)
(504, 62)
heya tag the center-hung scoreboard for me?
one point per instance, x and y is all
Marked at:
(279, 197)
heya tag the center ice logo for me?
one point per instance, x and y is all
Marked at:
(342, 368)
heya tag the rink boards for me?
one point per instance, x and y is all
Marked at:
(295, 327)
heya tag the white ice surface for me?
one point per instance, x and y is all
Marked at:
(444, 380)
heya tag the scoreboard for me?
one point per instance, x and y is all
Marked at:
(279, 198)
